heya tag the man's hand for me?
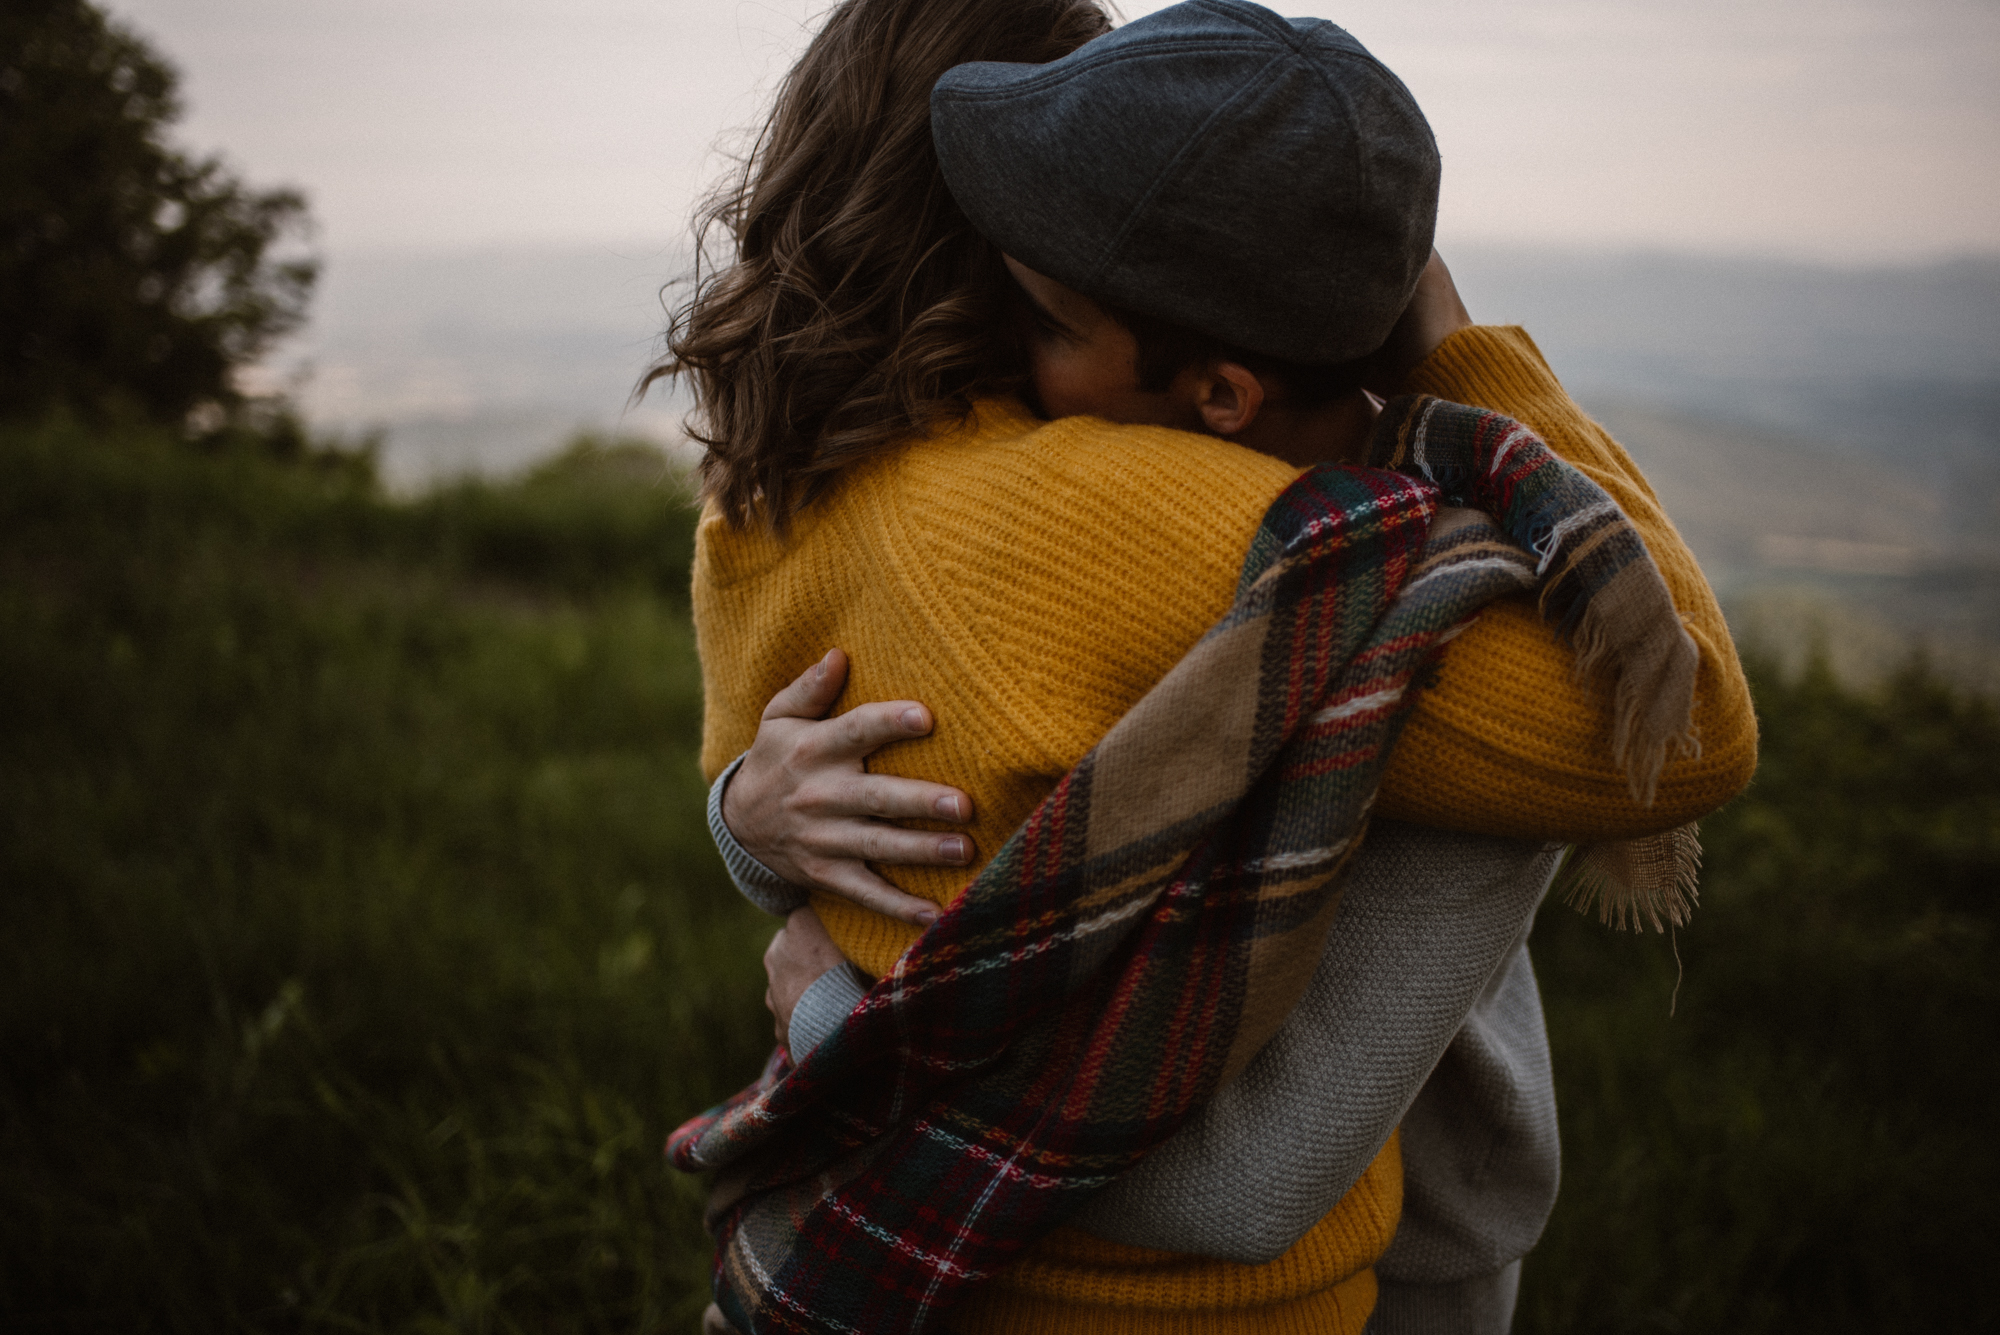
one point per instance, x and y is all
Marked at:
(803, 805)
(798, 954)
(1434, 314)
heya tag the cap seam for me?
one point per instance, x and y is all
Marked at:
(1363, 171)
(1368, 58)
(1172, 165)
(1363, 168)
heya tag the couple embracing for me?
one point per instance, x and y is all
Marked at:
(1235, 638)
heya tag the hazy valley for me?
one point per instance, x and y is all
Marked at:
(1827, 439)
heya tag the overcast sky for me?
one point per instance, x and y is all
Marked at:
(1856, 130)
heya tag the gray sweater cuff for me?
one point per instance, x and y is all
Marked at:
(822, 1007)
(756, 882)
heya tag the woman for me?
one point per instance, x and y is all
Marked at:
(866, 487)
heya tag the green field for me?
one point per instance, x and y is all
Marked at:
(362, 940)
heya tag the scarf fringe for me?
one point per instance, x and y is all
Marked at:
(1633, 882)
(1600, 588)
(1652, 713)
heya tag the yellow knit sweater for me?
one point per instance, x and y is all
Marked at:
(1030, 580)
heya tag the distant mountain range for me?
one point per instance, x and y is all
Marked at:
(1900, 367)
(1810, 543)
(1828, 439)
(1666, 319)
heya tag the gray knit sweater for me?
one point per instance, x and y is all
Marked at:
(1424, 1013)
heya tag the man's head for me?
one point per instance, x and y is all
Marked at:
(1259, 181)
(1087, 359)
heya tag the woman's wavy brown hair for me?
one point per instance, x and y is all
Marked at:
(859, 306)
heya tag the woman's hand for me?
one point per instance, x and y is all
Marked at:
(1435, 313)
(802, 804)
(798, 954)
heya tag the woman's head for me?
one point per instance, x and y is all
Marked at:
(860, 306)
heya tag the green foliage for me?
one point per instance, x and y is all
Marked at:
(132, 278)
(588, 518)
(1806, 1143)
(360, 940)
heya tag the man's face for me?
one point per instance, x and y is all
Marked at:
(1083, 362)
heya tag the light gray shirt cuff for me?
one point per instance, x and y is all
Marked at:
(822, 1007)
(755, 881)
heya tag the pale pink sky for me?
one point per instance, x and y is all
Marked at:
(1841, 129)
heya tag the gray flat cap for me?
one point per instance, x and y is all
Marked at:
(1260, 179)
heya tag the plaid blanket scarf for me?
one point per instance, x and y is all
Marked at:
(1147, 930)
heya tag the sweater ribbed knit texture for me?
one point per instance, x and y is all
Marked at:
(1030, 581)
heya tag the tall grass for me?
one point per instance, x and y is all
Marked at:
(360, 939)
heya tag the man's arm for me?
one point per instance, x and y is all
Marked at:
(810, 987)
(1483, 753)
(830, 814)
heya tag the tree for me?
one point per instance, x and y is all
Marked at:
(133, 278)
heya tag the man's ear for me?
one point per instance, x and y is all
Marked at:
(1229, 397)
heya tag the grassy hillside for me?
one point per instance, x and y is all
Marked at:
(360, 940)
(1802, 1139)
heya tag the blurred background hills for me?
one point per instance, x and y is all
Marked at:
(1737, 230)
(1828, 438)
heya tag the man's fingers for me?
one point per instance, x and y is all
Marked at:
(813, 691)
(854, 882)
(862, 731)
(872, 841)
(887, 797)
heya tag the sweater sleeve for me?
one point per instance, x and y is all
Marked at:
(1509, 740)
